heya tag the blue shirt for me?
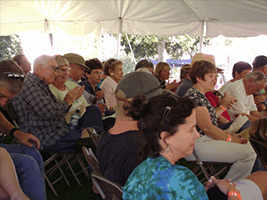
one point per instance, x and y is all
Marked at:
(157, 179)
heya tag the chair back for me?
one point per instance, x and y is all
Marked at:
(95, 137)
(207, 169)
(260, 148)
(111, 190)
(90, 158)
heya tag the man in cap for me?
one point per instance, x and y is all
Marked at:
(41, 114)
(260, 64)
(119, 146)
(27, 160)
(77, 69)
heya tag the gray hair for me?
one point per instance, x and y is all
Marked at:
(41, 60)
(257, 76)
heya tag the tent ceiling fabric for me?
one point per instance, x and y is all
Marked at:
(142, 17)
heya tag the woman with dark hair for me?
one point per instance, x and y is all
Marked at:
(216, 145)
(168, 126)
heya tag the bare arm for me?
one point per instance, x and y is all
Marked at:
(205, 124)
(23, 138)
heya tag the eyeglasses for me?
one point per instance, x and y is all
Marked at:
(54, 68)
(65, 69)
(13, 75)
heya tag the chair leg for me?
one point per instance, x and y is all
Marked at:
(70, 167)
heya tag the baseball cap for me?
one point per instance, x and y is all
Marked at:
(259, 62)
(138, 83)
(74, 58)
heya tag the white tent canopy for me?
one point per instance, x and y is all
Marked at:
(142, 17)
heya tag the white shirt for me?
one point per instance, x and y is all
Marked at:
(245, 103)
(109, 87)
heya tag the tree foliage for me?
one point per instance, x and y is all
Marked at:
(176, 46)
(9, 46)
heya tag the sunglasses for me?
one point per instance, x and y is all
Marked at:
(13, 75)
(172, 102)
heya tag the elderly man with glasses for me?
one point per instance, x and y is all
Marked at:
(40, 113)
(26, 158)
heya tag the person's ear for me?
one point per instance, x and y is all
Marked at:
(164, 135)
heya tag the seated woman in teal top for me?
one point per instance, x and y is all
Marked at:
(168, 125)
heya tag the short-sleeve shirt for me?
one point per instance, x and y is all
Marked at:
(245, 103)
(157, 178)
(118, 155)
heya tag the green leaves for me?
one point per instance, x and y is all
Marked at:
(9, 46)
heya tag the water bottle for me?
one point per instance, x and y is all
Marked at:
(74, 121)
(101, 101)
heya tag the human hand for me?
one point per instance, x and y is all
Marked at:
(259, 99)
(238, 138)
(224, 185)
(102, 107)
(172, 86)
(27, 139)
(73, 94)
(99, 95)
(227, 101)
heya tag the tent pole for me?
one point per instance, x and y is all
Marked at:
(130, 48)
(119, 37)
(202, 35)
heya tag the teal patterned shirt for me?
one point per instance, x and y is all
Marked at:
(157, 178)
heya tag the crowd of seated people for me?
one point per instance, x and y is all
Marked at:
(128, 147)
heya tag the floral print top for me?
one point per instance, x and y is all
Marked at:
(201, 100)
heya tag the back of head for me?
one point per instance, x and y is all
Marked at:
(160, 66)
(144, 64)
(161, 113)
(258, 135)
(136, 83)
(93, 64)
(12, 76)
(240, 66)
(185, 71)
(200, 68)
(259, 62)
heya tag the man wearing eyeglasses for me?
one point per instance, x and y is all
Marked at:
(27, 160)
(40, 113)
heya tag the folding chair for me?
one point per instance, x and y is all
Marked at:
(95, 137)
(51, 165)
(259, 147)
(111, 190)
(208, 169)
(93, 163)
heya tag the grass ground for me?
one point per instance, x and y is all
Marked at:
(75, 192)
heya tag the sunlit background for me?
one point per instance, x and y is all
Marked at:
(89, 46)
